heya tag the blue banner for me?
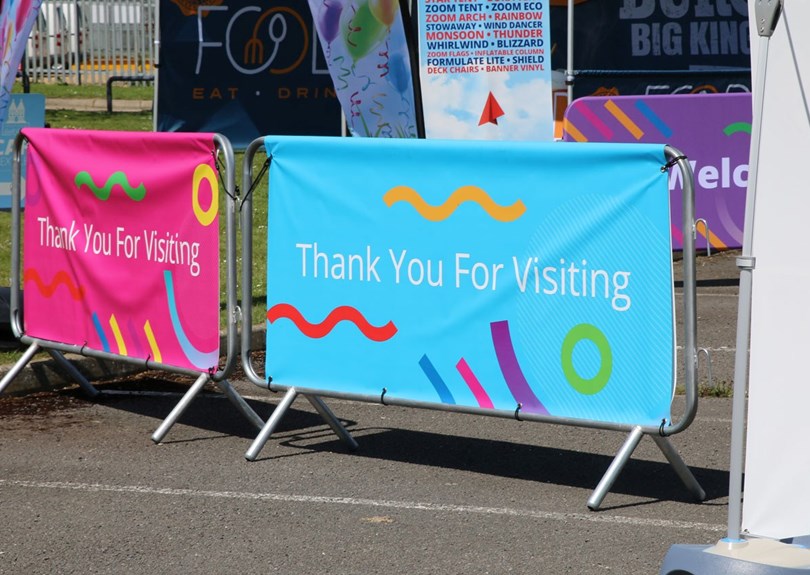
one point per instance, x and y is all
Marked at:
(496, 276)
(16, 21)
(244, 70)
(24, 110)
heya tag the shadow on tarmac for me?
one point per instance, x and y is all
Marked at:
(212, 414)
(640, 478)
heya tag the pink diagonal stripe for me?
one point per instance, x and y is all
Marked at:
(475, 386)
(606, 132)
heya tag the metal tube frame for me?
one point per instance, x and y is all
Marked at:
(660, 434)
(58, 349)
(767, 13)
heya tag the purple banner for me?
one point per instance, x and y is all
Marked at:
(712, 130)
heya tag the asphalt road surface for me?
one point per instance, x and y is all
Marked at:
(83, 489)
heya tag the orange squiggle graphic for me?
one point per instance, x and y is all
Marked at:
(340, 313)
(61, 277)
(461, 195)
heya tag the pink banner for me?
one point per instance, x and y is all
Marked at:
(121, 244)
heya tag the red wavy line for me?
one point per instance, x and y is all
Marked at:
(341, 313)
(48, 290)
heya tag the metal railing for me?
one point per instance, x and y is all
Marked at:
(89, 41)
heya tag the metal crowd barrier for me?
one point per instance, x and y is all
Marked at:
(131, 346)
(314, 391)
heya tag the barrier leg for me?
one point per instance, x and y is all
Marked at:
(181, 406)
(665, 445)
(240, 404)
(339, 429)
(88, 388)
(18, 366)
(272, 422)
(615, 468)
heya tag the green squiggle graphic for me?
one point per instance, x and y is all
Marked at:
(118, 178)
(737, 127)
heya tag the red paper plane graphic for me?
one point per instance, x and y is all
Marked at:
(492, 111)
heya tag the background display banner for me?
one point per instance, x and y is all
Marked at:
(16, 20)
(122, 255)
(365, 47)
(712, 130)
(243, 70)
(777, 461)
(706, 38)
(481, 275)
(24, 110)
(485, 69)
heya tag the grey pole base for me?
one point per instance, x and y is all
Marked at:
(775, 559)
(60, 359)
(227, 389)
(280, 411)
(623, 455)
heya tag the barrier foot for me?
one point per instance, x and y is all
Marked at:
(181, 406)
(339, 429)
(615, 468)
(87, 387)
(240, 404)
(18, 366)
(674, 458)
(272, 422)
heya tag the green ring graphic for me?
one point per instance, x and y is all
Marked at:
(599, 381)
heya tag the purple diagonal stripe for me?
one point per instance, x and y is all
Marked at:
(515, 380)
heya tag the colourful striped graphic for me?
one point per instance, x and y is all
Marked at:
(47, 290)
(150, 336)
(512, 373)
(574, 132)
(117, 178)
(475, 386)
(654, 118)
(436, 380)
(199, 359)
(119, 340)
(341, 313)
(624, 119)
(459, 196)
(105, 344)
(597, 123)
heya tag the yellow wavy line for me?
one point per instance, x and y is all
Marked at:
(119, 339)
(461, 195)
(150, 335)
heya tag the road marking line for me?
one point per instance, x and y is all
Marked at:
(407, 505)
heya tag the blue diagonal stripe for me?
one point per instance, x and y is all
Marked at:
(654, 119)
(436, 380)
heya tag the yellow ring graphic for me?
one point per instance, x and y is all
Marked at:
(205, 172)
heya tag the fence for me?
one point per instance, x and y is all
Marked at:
(121, 254)
(89, 41)
(484, 278)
